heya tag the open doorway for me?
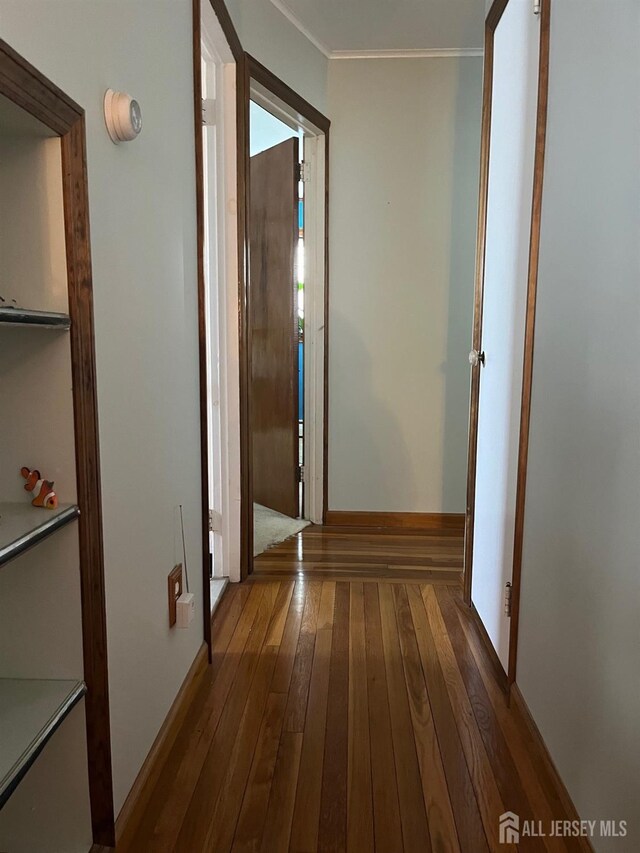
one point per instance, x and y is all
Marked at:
(286, 312)
(276, 321)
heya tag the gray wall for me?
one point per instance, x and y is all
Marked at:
(404, 184)
(143, 243)
(580, 628)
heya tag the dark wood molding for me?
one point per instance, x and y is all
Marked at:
(278, 87)
(495, 13)
(26, 87)
(21, 83)
(142, 789)
(529, 335)
(550, 778)
(94, 627)
(325, 396)
(246, 487)
(230, 32)
(254, 70)
(400, 520)
(496, 663)
(493, 18)
(202, 322)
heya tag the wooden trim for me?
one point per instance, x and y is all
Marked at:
(134, 806)
(325, 396)
(495, 13)
(278, 87)
(493, 18)
(26, 87)
(230, 33)
(521, 709)
(246, 486)
(529, 338)
(94, 623)
(254, 70)
(30, 90)
(496, 663)
(202, 323)
(401, 520)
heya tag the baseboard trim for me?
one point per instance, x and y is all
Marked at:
(496, 663)
(139, 795)
(399, 520)
(519, 706)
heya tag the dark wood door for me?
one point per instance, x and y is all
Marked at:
(273, 228)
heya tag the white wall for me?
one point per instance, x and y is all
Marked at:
(403, 198)
(142, 203)
(273, 40)
(579, 626)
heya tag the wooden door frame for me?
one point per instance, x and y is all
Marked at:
(493, 19)
(21, 83)
(254, 70)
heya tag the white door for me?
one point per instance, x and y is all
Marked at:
(510, 193)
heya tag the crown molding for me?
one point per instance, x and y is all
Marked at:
(297, 23)
(417, 53)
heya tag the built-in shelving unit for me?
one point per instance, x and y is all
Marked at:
(23, 525)
(30, 712)
(25, 317)
(56, 786)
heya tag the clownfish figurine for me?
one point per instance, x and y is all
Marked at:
(43, 489)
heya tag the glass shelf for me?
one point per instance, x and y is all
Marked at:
(30, 712)
(23, 525)
(25, 317)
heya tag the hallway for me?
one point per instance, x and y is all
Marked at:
(360, 714)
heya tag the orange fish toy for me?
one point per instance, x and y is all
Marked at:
(43, 489)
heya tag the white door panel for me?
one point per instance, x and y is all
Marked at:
(510, 192)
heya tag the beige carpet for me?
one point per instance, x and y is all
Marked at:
(271, 527)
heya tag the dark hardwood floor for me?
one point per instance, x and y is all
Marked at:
(351, 706)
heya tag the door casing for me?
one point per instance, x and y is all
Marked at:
(261, 85)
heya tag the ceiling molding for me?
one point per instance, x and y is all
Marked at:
(417, 53)
(414, 53)
(297, 23)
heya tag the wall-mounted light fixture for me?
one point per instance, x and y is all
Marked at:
(122, 115)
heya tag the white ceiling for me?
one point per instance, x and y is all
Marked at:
(356, 26)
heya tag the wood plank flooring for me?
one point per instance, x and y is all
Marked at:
(348, 712)
(366, 553)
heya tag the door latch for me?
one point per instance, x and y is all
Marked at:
(476, 357)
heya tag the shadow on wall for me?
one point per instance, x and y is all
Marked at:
(378, 459)
(464, 181)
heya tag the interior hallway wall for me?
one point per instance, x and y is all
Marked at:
(405, 142)
(273, 40)
(143, 236)
(579, 626)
